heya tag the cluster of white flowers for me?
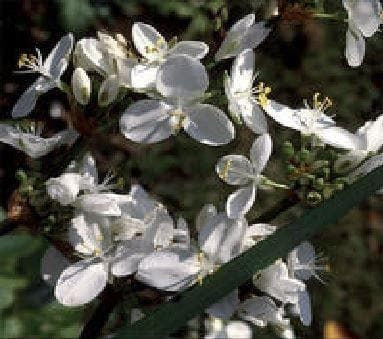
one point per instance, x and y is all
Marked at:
(132, 234)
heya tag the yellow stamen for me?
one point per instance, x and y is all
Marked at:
(225, 171)
(321, 105)
(263, 91)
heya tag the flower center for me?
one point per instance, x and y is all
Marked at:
(262, 92)
(177, 119)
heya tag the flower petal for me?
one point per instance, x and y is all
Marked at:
(231, 45)
(208, 125)
(80, 283)
(169, 270)
(254, 117)
(146, 121)
(54, 62)
(144, 76)
(255, 35)
(27, 101)
(355, 46)
(283, 115)
(240, 202)
(242, 72)
(204, 216)
(148, 42)
(234, 169)
(127, 258)
(195, 49)
(225, 307)
(106, 204)
(339, 137)
(366, 15)
(182, 76)
(108, 90)
(260, 152)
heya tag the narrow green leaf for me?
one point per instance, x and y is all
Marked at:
(170, 316)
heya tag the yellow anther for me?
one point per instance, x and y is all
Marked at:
(321, 105)
(26, 60)
(225, 171)
(177, 119)
(263, 91)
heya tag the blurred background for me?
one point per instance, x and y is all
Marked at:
(301, 56)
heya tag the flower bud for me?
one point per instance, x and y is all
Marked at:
(313, 198)
(81, 86)
(287, 149)
(64, 188)
(108, 91)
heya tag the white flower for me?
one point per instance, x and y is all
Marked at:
(245, 33)
(256, 233)
(364, 19)
(275, 281)
(262, 311)
(312, 121)
(370, 141)
(240, 93)
(81, 86)
(302, 308)
(174, 269)
(303, 263)
(182, 81)
(64, 188)
(154, 48)
(238, 170)
(50, 72)
(109, 58)
(31, 143)
(234, 329)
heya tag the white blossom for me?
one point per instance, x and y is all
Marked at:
(364, 19)
(275, 281)
(155, 50)
(49, 70)
(241, 94)
(173, 269)
(81, 86)
(238, 170)
(182, 81)
(31, 143)
(244, 34)
(313, 121)
(234, 329)
(64, 188)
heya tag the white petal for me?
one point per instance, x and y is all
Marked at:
(260, 152)
(146, 121)
(54, 62)
(144, 76)
(260, 230)
(88, 169)
(128, 256)
(207, 212)
(225, 307)
(372, 132)
(106, 204)
(261, 311)
(26, 103)
(208, 125)
(366, 16)
(339, 137)
(81, 86)
(303, 254)
(283, 115)
(234, 169)
(64, 188)
(355, 46)
(242, 72)
(141, 203)
(52, 264)
(148, 42)
(255, 35)
(254, 117)
(238, 330)
(124, 70)
(231, 45)
(304, 304)
(240, 202)
(195, 49)
(169, 270)
(108, 90)
(368, 166)
(182, 76)
(181, 236)
(80, 283)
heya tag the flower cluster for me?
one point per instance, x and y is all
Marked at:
(116, 235)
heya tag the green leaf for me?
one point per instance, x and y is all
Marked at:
(17, 245)
(170, 316)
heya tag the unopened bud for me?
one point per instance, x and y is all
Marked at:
(313, 198)
(108, 91)
(288, 150)
(81, 86)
